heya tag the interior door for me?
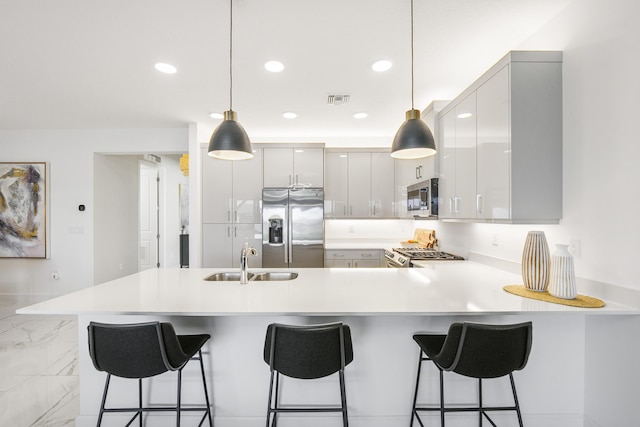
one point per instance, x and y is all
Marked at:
(149, 233)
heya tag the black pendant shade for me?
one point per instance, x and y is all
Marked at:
(230, 141)
(413, 140)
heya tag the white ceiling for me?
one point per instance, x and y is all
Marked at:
(77, 64)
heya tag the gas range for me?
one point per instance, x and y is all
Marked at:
(402, 257)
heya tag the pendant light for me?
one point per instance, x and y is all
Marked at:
(413, 140)
(230, 141)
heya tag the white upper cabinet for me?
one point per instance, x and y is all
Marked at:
(232, 190)
(382, 185)
(336, 177)
(517, 165)
(494, 148)
(359, 184)
(294, 166)
(457, 184)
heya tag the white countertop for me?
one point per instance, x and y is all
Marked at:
(441, 288)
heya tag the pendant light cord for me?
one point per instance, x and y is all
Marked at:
(412, 104)
(231, 55)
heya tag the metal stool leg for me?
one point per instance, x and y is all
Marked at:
(343, 396)
(104, 400)
(415, 394)
(515, 398)
(206, 393)
(178, 399)
(140, 401)
(441, 397)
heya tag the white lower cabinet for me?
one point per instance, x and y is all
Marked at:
(354, 258)
(221, 244)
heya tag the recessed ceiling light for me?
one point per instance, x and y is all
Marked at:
(165, 68)
(274, 66)
(216, 115)
(464, 115)
(381, 65)
(289, 115)
(360, 115)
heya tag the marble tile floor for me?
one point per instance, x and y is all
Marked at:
(39, 384)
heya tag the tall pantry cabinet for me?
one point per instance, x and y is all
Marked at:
(231, 209)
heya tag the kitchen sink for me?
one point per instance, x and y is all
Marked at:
(274, 276)
(227, 276)
(267, 276)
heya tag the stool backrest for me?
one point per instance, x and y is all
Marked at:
(308, 352)
(133, 350)
(486, 351)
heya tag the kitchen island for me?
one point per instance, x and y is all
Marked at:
(384, 307)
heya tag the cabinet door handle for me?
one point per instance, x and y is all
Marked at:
(228, 231)
(338, 255)
(374, 210)
(350, 210)
(290, 183)
(365, 255)
(297, 182)
(228, 215)
(420, 171)
(355, 264)
(235, 231)
(237, 217)
(479, 203)
(451, 205)
(457, 204)
(417, 176)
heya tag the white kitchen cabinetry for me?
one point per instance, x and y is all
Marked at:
(353, 258)
(359, 185)
(232, 190)
(519, 172)
(457, 184)
(222, 243)
(518, 143)
(231, 209)
(294, 166)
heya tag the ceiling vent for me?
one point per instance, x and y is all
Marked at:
(338, 99)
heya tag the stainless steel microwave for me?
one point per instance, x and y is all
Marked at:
(422, 198)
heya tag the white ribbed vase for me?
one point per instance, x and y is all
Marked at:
(562, 280)
(535, 262)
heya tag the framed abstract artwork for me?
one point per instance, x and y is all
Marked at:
(23, 215)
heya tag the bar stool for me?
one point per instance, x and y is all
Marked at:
(477, 351)
(145, 350)
(306, 352)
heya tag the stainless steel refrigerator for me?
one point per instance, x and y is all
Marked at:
(292, 227)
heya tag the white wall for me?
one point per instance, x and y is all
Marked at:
(71, 167)
(115, 241)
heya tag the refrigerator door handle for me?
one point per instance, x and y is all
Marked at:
(290, 237)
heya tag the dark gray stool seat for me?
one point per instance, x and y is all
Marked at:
(145, 350)
(306, 352)
(477, 351)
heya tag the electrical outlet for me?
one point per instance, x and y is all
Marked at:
(574, 247)
(55, 276)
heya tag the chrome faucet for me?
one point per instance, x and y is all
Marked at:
(244, 264)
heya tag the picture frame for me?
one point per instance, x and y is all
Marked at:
(23, 210)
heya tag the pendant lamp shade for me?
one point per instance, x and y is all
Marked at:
(229, 140)
(414, 139)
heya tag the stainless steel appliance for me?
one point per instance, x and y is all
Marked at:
(402, 257)
(292, 227)
(422, 199)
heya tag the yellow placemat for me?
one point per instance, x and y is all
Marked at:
(582, 301)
